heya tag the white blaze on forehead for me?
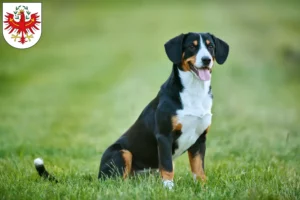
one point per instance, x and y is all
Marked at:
(203, 52)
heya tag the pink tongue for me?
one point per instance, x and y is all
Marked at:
(204, 74)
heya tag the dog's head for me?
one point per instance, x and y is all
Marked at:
(196, 53)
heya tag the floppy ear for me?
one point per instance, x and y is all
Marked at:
(222, 50)
(173, 49)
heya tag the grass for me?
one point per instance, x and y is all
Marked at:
(97, 65)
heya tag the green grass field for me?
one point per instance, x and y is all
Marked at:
(96, 67)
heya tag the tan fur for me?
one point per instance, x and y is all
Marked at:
(176, 126)
(185, 64)
(166, 175)
(196, 166)
(207, 129)
(127, 157)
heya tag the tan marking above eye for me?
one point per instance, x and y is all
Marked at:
(207, 42)
(195, 42)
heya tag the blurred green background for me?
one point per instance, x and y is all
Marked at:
(98, 63)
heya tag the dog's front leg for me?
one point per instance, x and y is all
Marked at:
(196, 157)
(165, 159)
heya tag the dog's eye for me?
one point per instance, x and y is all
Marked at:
(210, 47)
(192, 47)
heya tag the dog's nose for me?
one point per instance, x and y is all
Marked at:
(206, 61)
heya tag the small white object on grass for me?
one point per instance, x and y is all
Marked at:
(38, 162)
(168, 184)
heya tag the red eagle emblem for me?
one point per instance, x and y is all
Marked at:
(24, 27)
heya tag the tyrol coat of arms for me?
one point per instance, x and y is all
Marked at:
(22, 24)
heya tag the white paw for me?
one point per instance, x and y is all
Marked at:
(168, 184)
(194, 177)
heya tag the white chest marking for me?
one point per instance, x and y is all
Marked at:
(196, 115)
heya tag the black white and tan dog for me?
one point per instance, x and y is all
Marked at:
(175, 121)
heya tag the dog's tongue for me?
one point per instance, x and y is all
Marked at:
(204, 74)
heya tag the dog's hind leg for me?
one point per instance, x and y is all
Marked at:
(115, 163)
(127, 157)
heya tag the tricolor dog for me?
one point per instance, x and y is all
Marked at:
(175, 121)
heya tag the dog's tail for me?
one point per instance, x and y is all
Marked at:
(39, 165)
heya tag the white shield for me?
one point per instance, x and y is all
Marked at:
(22, 24)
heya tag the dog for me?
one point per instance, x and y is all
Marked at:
(175, 121)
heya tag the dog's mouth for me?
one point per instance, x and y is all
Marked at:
(203, 73)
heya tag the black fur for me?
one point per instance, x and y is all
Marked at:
(44, 173)
(173, 48)
(222, 50)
